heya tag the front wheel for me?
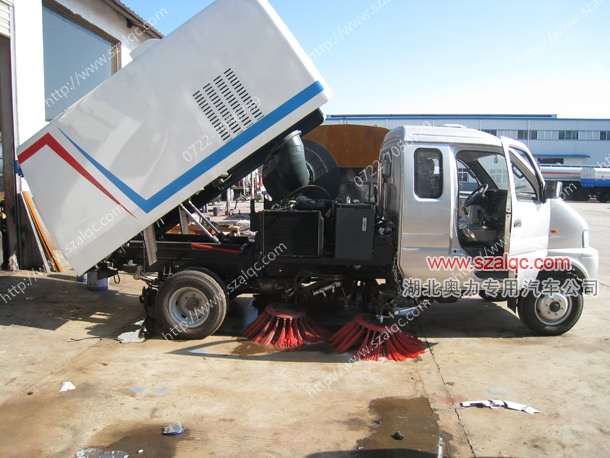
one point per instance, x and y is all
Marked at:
(190, 305)
(551, 314)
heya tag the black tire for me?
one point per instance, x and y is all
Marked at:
(604, 196)
(536, 312)
(580, 195)
(190, 305)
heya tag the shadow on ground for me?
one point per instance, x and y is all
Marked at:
(250, 351)
(472, 318)
(382, 453)
(46, 302)
(49, 302)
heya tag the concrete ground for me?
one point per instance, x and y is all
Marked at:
(239, 400)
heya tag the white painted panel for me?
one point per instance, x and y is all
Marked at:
(130, 134)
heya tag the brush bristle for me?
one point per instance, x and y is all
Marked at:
(375, 341)
(285, 329)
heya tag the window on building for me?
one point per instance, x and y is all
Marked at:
(428, 173)
(522, 135)
(588, 135)
(464, 174)
(533, 135)
(548, 135)
(77, 57)
(604, 135)
(568, 135)
(491, 131)
(510, 133)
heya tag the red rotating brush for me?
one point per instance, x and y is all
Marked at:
(376, 340)
(284, 328)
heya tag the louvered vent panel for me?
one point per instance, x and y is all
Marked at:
(228, 105)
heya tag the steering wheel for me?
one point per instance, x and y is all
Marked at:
(477, 196)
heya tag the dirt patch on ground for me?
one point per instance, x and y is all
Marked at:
(133, 439)
(402, 424)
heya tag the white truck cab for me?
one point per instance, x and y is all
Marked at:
(472, 207)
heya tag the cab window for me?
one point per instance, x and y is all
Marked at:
(428, 173)
(525, 187)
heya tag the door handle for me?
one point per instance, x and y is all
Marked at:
(517, 223)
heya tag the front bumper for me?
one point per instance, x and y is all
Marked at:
(585, 261)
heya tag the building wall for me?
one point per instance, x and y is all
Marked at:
(28, 61)
(5, 17)
(113, 23)
(574, 152)
(29, 56)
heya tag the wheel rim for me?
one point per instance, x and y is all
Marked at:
(189, 307)
(553, 309)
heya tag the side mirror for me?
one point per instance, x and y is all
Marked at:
(552, 190)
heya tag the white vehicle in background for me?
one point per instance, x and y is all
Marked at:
(580, 183)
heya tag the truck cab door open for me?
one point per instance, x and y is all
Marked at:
(484, 208)
(428, 202)
(530, 213)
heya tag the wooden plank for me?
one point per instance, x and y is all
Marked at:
(352, 146)
(47, 245)
(32, 252)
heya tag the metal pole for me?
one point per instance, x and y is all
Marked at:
(199, 225)
(208, 221)
(8, 146)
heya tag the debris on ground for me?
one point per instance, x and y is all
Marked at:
(137, 389)
(67, 386)
(136, 336)
(100, 453)
(441, 447)
(173, 429)
(498, 404)
(398, 436)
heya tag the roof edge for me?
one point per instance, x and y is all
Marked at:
(134, 17)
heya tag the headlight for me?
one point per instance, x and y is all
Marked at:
(585, 239)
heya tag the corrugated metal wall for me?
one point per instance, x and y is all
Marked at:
(5, 17)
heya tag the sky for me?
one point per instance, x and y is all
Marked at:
(446, 56)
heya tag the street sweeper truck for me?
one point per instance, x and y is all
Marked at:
(231, 91)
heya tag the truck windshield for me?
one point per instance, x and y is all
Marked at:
(494, 166)
(487, 167)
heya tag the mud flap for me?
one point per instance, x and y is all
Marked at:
(512, 304)
(148, 300)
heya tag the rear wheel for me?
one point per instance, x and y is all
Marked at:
(190, 305)
(551, 314)
(579, 194)
(604, 195)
